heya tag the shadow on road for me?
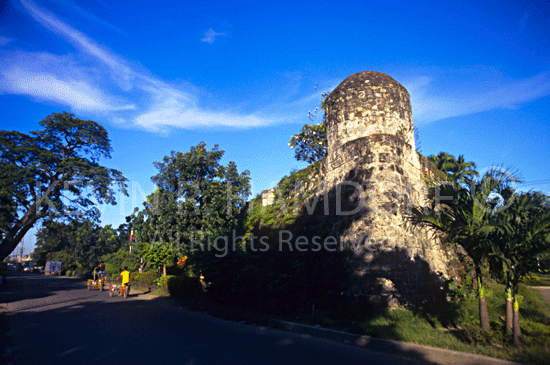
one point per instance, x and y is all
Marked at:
(26, 286)
(57, 320)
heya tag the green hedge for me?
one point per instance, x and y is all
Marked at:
(162, 284)
(183, 287)
(147, 279)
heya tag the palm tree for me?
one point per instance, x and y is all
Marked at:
(457, 170)
(519, 234)
(464, 219)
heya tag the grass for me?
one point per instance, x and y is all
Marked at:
(538, 279)
(455, 327)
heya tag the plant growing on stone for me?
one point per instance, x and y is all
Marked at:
(311, 143)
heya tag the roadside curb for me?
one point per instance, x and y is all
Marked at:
(6, 354)
(433, 355)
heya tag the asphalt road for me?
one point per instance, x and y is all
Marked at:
(55, 320)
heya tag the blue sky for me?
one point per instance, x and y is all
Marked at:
(163, 76)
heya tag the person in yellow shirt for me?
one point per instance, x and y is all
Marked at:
(125, 275)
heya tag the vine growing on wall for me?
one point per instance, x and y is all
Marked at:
(417, 140)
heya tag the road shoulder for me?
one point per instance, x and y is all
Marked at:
(429, 354)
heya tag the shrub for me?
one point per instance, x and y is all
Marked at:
(115, 262)
(79, 272)
(162, 283)
(535, 334)
(147, 279)
(184, 287)
(531, 280)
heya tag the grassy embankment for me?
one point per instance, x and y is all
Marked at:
(538, 279)
(455, 327)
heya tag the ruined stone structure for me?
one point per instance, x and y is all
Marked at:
(373, 171)
(268, 197)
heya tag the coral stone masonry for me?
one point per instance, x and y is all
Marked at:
(366, 104)
(374, 172)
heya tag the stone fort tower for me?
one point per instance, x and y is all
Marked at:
(375, 173)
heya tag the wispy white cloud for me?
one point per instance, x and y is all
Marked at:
(118, 66)
(171, 113)
(103, 8)
(4, 41)
(60, 79)
(96, 80)
(79, 95)
(439, 94)
(210, 36)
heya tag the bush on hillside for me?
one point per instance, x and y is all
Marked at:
(146, 280)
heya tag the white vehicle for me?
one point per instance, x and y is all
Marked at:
(52, 268)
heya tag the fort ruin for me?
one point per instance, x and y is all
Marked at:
(368, 182)
(371, 152)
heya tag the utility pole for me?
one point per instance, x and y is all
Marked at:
(21, 251)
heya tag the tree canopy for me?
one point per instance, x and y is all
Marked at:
(53, 172)
(458, 170)
(311, 143)
(519, 234)
(196, 199)
(80, 245)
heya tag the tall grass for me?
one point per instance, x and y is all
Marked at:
(457, 326)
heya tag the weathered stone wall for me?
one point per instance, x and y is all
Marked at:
(366, 104)
(373, 170)
(268, 197)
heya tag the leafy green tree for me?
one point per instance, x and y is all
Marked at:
(160, 255)
(116, 261)
(8, 208)
(311, 143)
(78, 244)
(54, 171)
(197, 199)
(52, 238)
